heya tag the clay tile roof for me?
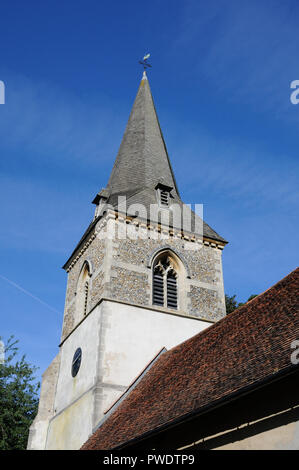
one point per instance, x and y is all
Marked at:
(247, 347)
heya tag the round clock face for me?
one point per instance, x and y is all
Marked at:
(76, 362)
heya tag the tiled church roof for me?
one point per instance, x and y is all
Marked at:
(244, 349)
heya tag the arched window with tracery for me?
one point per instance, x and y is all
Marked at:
(165, 280)
(82, 292)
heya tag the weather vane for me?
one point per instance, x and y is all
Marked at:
(144, 62)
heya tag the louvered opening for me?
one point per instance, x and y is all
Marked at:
(164, 197)
(172, 296)
(158, 288)
(86, 287)
(82, 293)
(165, 291)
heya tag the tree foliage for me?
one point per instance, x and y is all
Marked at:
(232, 304)
(18, 398)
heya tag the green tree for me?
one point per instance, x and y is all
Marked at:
(249, 298)
(232, 304)
(18, 398)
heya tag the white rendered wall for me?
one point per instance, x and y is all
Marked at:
(135, 335)
(86, 336)
(117, 342)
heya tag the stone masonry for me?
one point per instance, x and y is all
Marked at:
(121, 270)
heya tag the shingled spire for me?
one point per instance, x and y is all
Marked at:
(142, 163)
(142, 160)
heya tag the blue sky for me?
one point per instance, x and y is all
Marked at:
(221, 83)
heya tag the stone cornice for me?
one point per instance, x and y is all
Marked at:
(150, 227)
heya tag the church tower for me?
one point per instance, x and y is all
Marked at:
(145, 276)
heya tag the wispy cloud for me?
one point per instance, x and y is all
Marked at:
(37, 215)
(248, 48)
(50, 139)
(239, 171)
(26, 292)
(53, 123)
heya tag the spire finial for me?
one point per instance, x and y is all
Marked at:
(145, 64)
